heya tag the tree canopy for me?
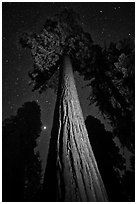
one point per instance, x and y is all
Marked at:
(61, 35)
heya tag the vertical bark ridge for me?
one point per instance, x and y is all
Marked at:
(81, 176)
(77, 175)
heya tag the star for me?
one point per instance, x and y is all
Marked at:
(101, 11)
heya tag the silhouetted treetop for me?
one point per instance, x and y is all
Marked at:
(61, 35)
(21, 165)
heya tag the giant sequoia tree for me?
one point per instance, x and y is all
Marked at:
(71, 173)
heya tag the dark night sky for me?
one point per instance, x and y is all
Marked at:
(105, 21)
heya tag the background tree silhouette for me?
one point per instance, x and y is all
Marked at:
(109, 160)
(119, 183)
(21, 164)
(112, 76)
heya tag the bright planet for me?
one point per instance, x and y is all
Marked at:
(44, 127)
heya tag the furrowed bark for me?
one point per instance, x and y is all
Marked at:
(71, 173)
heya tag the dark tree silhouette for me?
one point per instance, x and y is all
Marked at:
(110, 162)
(71, 165)
(128, 186)
(108, 156)
(113, 87)
(21, 165)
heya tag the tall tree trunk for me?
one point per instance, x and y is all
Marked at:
(71, 173)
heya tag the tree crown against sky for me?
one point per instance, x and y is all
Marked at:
(110, 71)
(61, 35)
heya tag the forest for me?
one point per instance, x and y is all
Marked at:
(84, 162)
